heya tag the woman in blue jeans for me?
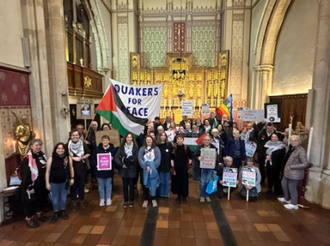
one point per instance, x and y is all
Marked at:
(164, 168)
(104, 177)
(59, 171)
(206, 174)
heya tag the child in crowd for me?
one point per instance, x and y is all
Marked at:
(182, 158)
(104, 177)
(223, 190)
(253, 190)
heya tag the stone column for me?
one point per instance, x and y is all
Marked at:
(3, 178)
(319, 181)
(55, 33)
(261, 88)
(33, 22)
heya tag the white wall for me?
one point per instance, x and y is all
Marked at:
(294, 55)
(11, 51)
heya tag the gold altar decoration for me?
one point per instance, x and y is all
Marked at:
(24, 134)
(198, 84)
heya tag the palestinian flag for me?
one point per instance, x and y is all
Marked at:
(227, 108)
(112, 109)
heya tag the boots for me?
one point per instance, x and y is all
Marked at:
(54, 218)
(82, 205)
(64, 215)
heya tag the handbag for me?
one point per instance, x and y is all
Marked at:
(212, 186)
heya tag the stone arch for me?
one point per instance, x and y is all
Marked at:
(100, 38)
(264, 50)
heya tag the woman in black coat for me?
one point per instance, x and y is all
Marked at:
(126, 160)
(274, 157)
(33, 186)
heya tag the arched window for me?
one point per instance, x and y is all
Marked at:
(78, 40)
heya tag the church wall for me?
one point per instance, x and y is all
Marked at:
(11, 51)
(294, 55)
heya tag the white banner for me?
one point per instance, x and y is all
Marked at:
(140, 101)
(252, 115)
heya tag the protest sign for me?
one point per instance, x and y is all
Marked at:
(209, 157)
(250, 148)
(104, 161)
(249, 176)
(229, 177)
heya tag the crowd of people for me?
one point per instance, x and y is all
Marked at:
(156, 157)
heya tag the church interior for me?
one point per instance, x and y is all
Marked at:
(53, 54)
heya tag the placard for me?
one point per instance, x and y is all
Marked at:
(170, 135)
(209, 158)
(250, 148)
(187, 108)
(249, 176)
(229, 177)
(240, 111)
(272, 113)
(104, 161)
(252, 115)
(113, 134)
(85, 109)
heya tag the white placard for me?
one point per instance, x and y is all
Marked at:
(187, 108)
(240, 112)
(250, 148)
(252, 115)
(249, 176)
(229, 177)
(209, 158)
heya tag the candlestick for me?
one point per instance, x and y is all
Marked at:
(14, 146)
(290, 131)
(309, 143)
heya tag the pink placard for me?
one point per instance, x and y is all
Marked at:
(104, 161)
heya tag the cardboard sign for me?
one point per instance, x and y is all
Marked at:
(229, 177)
(104, 162)
(209, 158)
(249, 176)
(250, 148)
(113, 134)
(187, 108)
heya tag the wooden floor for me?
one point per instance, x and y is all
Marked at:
(234, 222)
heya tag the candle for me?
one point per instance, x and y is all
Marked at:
(14, 146)
(309, 143)
(290, 131)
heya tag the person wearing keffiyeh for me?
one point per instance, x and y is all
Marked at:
(79, 152)
(33, 184)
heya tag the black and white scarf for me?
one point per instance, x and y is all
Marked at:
(76, 149)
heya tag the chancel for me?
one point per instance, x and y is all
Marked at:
(208, 64)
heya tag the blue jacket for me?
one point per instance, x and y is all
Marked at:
(150, 179)
(230, 148)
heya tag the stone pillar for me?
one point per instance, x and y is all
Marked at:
(58, 81)
(261, 88)
(319, 179)
(3, 178)
(33, 22)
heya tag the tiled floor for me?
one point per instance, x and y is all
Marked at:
(264, 222)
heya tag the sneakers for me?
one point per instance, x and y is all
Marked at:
(184, 200)
(109, 202)
(126, 204)
(208, 199)
(291, 206)
(102, 203)
(202, 200)
(31, 223)
(145, 204)
(64, 215)
(54, 218)
(154, 204)
(86, 190)
(281, 199)
(131, 204)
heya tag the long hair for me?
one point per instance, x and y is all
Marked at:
(56, 146)
(153, 144)
(122, 145)
(159, 141)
